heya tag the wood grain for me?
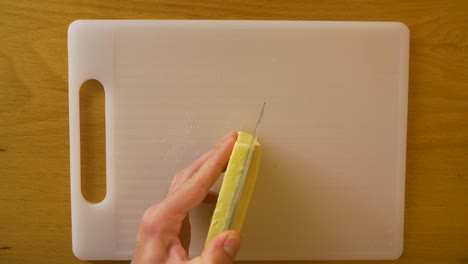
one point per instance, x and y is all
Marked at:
(34, 150)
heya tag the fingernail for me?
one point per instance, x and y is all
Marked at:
(227, 136)
(231, 246)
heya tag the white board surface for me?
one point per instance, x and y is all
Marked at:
(332, 177)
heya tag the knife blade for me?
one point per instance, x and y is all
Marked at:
(237, 194)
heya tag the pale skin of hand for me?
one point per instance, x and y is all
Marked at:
(164, 234)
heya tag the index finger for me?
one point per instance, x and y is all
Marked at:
(194, 190)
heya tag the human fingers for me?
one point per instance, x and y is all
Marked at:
(193, 191)
(222, 249)
(187, 173)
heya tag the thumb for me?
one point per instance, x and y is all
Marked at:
(223, 248)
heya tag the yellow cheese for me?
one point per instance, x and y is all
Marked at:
(231, 181)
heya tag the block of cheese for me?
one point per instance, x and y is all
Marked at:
(232, 178)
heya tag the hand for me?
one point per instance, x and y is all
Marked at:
(164, 234)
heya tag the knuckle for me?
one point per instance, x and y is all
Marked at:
(181, 173)
(150, 222)
(175, 181)
(215, 165)
(200, 185)
(178, 176)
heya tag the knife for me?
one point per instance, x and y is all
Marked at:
(245, 169)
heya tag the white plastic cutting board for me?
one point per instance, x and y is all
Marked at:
(332, 177)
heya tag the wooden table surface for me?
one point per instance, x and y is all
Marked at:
(34, 148)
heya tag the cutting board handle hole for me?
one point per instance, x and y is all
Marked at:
(93, 141)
